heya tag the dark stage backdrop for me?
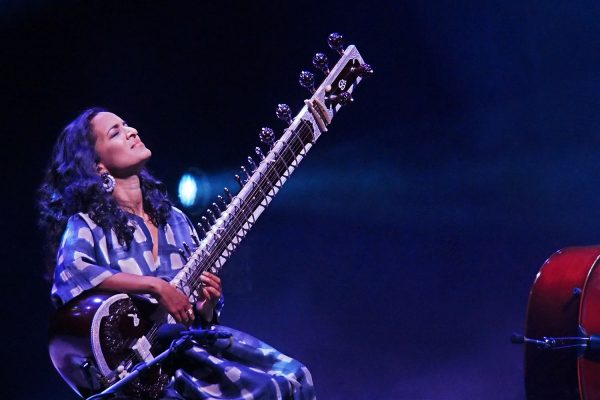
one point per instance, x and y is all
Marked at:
(397, 260)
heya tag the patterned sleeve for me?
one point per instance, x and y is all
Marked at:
(80, 266)
(191, 228)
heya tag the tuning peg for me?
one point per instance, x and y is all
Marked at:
(336, 42)
(364, 70)
(205, 222)
(284, 113)
(267, 136)
(245, 171)
(182, 254)
(211, 216)
(187, 249)
(201, 228)
(320, 62)
(343, 99)
(307, 80)
(259, 153)
(217, 209)
(195, 239)
(222, 202)
(238, 180)
(228, 193)
(252, 164)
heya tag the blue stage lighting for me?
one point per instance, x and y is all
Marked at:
(188, 189)
(193, 190)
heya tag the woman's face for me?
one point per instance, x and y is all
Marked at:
(118, 145)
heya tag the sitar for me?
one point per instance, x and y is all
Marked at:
(98, 338)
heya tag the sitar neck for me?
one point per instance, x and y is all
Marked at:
(260, 186)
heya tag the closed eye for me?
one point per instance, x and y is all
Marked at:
(114, 130)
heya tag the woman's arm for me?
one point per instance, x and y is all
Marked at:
(173, 300)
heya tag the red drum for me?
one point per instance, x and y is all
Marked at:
(564, 302)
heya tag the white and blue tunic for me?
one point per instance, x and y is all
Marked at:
(88, 254)
(249, 369)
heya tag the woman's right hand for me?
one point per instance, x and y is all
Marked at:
(175, 302)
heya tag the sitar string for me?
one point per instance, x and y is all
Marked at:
(241, 215)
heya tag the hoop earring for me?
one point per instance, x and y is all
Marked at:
(108, 182)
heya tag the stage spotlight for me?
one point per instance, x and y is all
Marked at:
(193, 190)
(188, 190)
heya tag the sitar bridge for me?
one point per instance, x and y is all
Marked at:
(142, 349)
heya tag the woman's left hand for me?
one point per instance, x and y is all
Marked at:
(211, 293)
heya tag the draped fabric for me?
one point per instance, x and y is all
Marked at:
(245, 368)
(88, 254)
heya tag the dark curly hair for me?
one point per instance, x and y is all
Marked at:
(72, 184)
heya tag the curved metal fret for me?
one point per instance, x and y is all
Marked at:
(243, 218)
(266, 180)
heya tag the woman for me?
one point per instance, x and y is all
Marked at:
(121, 233)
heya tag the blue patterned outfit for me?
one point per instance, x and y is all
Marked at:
(249, 369)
